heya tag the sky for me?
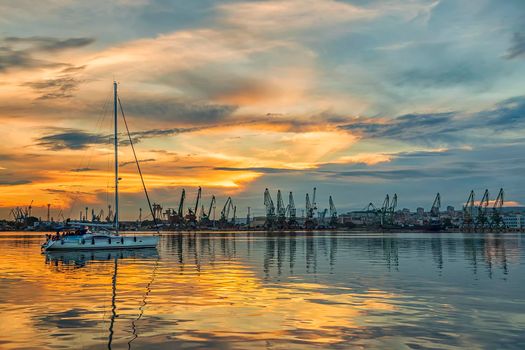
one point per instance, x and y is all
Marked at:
(357, 98)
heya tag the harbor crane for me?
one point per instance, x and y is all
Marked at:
(392, 209)
(333, 213)
(384, 209)
(311, 208)
(270, 210)
(322, 217)
(177, 217)
(371, 214)
(22, 215)
(497, 221)
(192, 213)
(436, 206)
(468, 212)
(482, 219)
(225, 212)
(388, 210)
(292, 212)
(205, 216)
(29, 209)
(281, 211)
(180, 211)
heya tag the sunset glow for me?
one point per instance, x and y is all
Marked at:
(228, 102)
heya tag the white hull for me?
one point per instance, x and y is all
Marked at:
(98, 243)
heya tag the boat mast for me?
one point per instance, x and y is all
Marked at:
(115, 97)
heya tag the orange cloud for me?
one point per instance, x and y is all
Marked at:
(365, 158)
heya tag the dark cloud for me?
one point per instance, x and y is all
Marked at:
(123, 164)
(517, 49)
(18, 52)
(78, 170)
(14, 182)
(71, 139)
(180, 111)
(137, 135)
(449, 127)
(74, 139)
(10, 58)
(73, 69)
(508, 114)
(62, 87)
(405, 127)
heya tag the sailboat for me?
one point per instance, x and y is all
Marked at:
(82, 236)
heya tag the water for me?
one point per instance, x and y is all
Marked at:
(271, 291)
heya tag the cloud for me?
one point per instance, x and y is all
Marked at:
(78, 170)
(405, 127)
(517, 49)
(265, 170)
(123, 164)
(71, 139)
(55, 88)
(14, 182)
(169, 109)
(74, 139)
(448, 127)
(48, 44)
(24, 52)
(507, 114)
(292, 15)
(10, 58)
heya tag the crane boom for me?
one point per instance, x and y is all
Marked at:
(482, 210)
(212, 203)
(180, 211)
(496, 210)
(268, 203)
(281, 209)
(434, 211)
(291, 206)
(197, 201)
(333, 212)
(270, 209)
(225, 212)
(393, 204)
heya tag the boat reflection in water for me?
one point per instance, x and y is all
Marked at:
(79, 259)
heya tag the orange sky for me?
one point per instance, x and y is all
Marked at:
(238, 97)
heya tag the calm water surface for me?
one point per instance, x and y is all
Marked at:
(268, 291)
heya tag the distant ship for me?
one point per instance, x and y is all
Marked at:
(82, 236)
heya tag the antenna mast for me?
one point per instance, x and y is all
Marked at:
(115, 97)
